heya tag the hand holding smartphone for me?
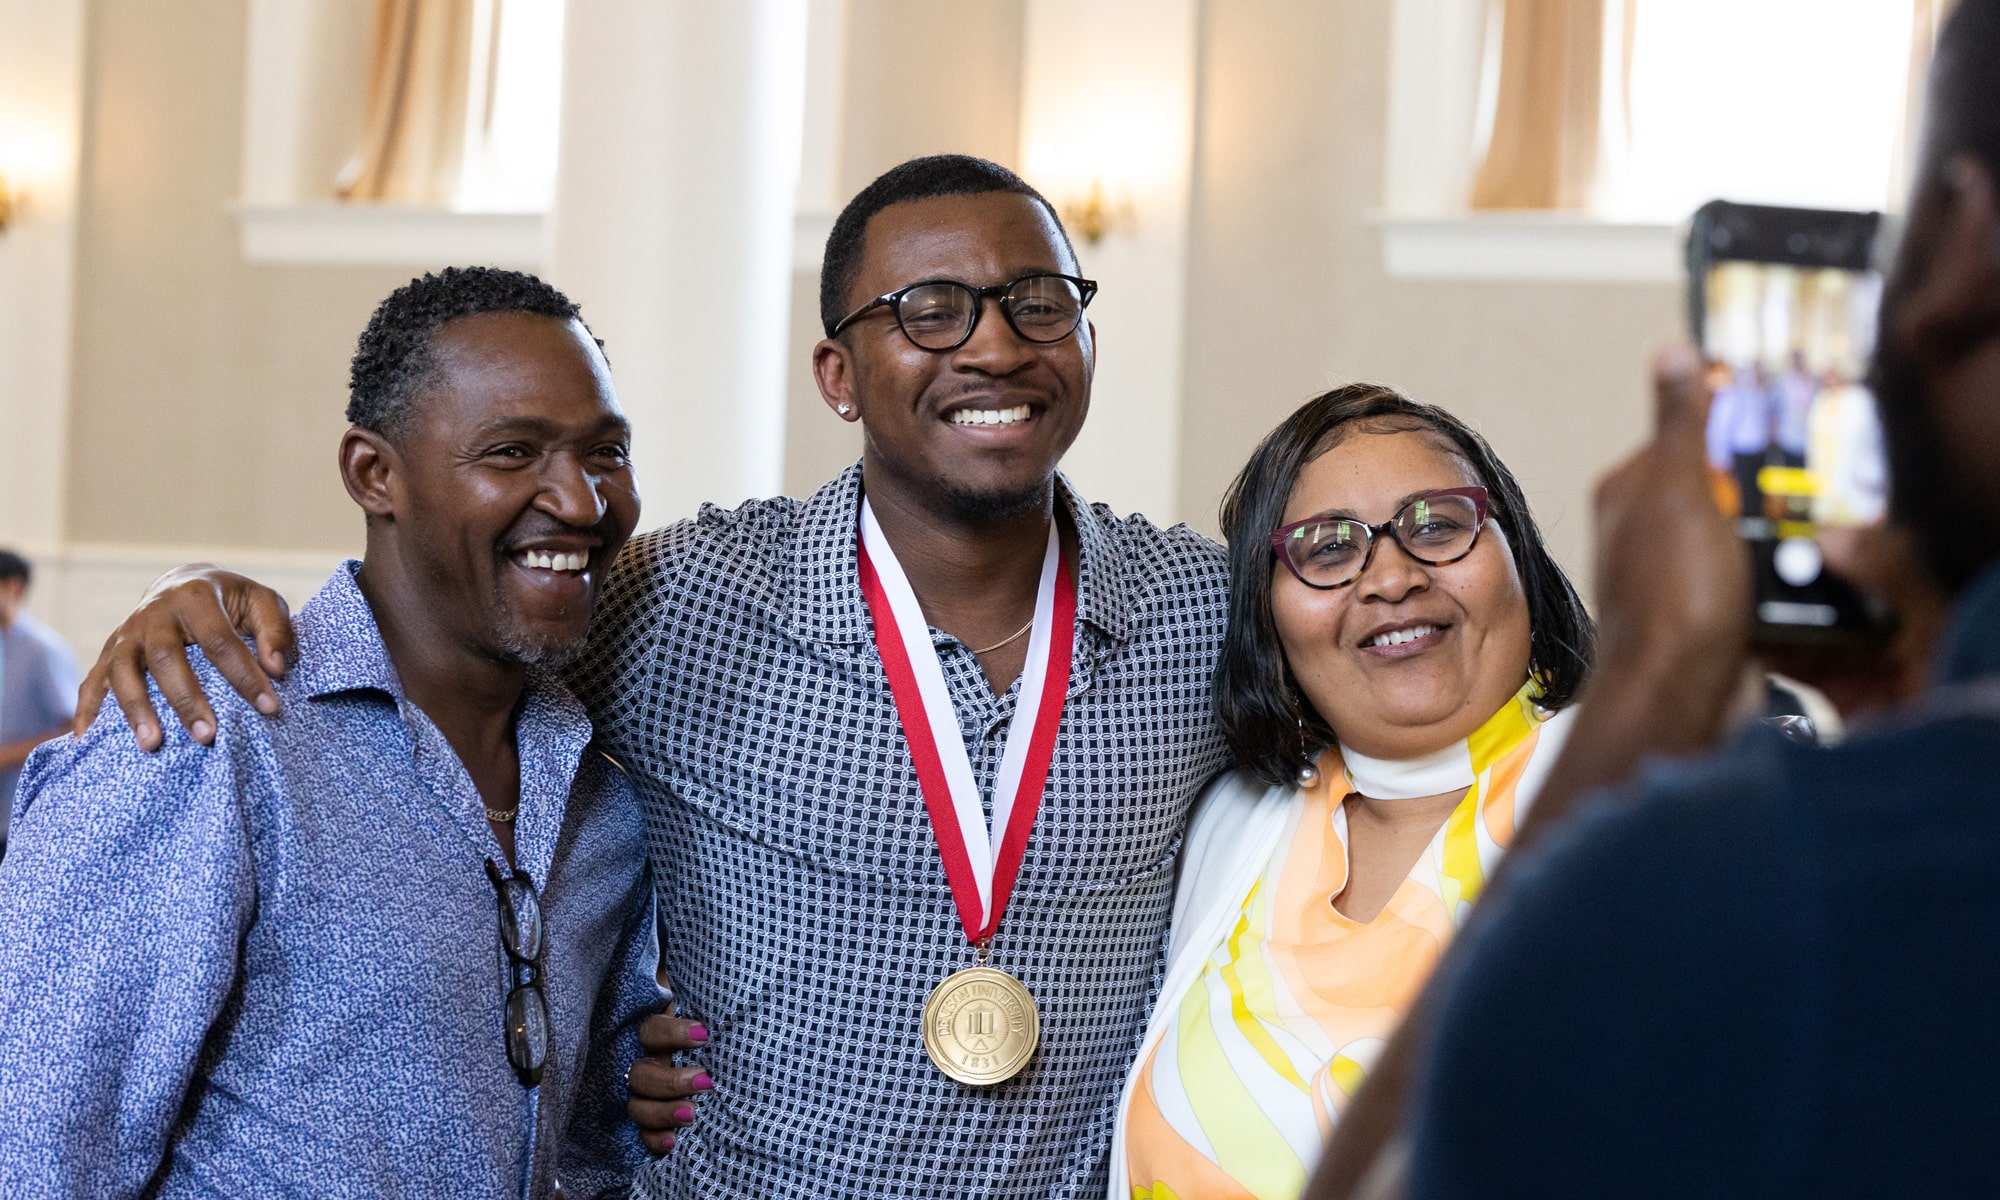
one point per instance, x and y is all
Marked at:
(1784, 303)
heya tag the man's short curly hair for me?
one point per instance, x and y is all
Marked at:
(917, 179)
(393, 361)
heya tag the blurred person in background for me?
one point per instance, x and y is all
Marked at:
(1771, 971)
(1739, 434)
(1796, 388)
(1393, 604)
(37, 681)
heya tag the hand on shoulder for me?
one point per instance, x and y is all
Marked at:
(202, 605)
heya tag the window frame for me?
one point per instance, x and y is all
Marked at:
(1426, 230)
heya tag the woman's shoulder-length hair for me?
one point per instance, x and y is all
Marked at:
(1269, 725)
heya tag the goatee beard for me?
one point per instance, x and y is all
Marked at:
(540, 656)
(519, 647)
(988, 506)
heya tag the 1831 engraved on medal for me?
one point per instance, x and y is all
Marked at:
(980, 1026)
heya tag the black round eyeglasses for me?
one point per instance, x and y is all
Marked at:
(940, 314)
(526, 1011)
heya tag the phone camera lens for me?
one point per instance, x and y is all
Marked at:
(1798, 243)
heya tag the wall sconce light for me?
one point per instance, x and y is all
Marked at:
(1094, 216)
(26, 162)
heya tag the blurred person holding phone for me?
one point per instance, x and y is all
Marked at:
(37, 681)
(1770, 971)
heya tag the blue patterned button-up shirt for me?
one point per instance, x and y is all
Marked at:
(272, 967)
(805, 910)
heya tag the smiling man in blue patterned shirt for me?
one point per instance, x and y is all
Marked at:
(282, 964)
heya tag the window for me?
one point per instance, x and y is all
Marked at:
(1797, 102)
(515, 96)
(487, 77)
(1804, 102)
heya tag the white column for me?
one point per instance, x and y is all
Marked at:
(673, 226)
(41, 106)
(1108, 96)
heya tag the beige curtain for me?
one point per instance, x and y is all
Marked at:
(1543, 151)
(414, 132)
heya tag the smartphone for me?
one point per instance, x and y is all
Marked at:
(1783, 302)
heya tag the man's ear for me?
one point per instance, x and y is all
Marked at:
(1956, 303)
(833, 371)
(370, 468)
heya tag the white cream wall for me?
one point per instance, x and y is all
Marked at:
(41, 111)
(86, 589)
(917, 79)
(204, 393)
(1108, 95)
(1287, 295)
(674, 223)
(1061, 92)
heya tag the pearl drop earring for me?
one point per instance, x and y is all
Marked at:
(1308, 774)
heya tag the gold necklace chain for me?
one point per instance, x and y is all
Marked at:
(1010, 637)
(502, 814)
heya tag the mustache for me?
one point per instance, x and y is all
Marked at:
(969, 390)
(549, 530)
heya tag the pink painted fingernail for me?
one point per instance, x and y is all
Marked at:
(698, 1032)
(702, 1082)
(684, 1113)
(670, 1142)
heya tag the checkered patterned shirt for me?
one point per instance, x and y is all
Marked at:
(805, 913)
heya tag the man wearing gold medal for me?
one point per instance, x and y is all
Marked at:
(916, 751)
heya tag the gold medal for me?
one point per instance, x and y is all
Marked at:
(980, 1026)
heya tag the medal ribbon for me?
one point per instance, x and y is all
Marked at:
(981, 875)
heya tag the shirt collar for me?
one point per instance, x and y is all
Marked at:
(1972, 641)
(825, 567)
(1102, 576)
(826, 601)
(340, 645)
(341, 650)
